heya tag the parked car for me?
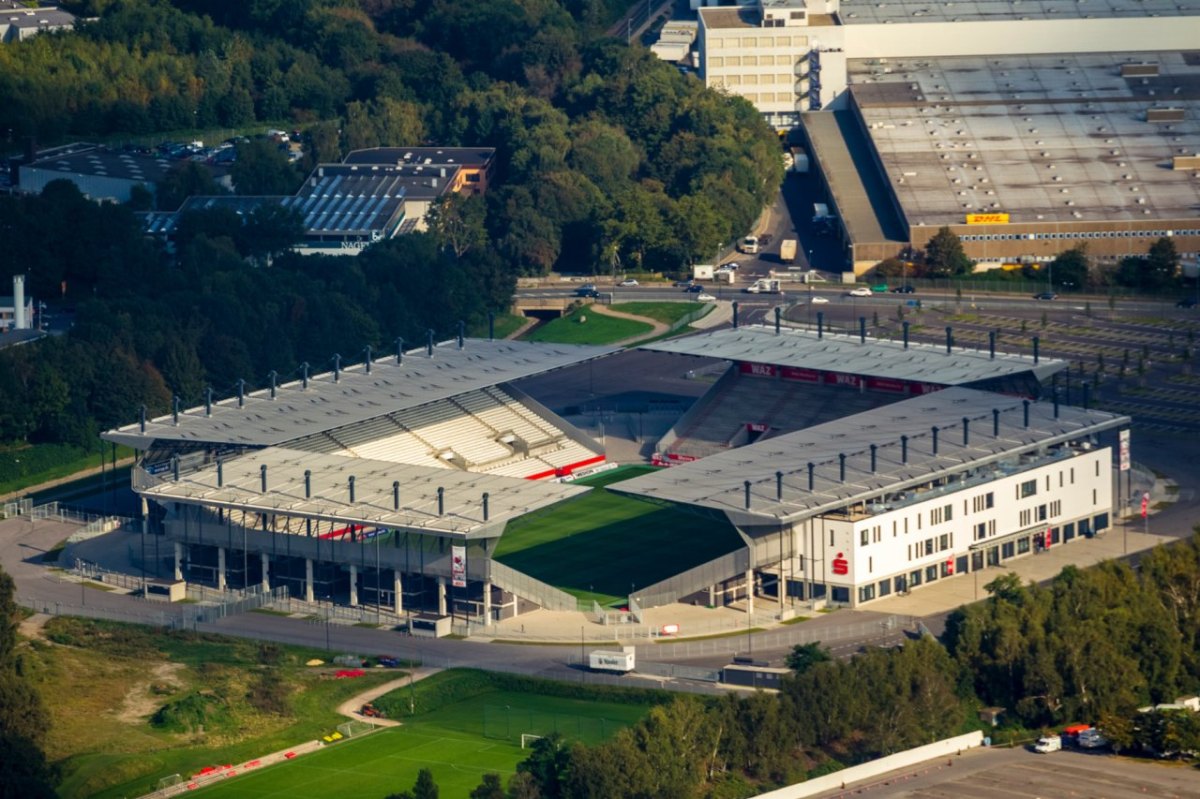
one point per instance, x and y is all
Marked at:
(1190, 302)
(861, 291)
(1092, 739)
(1050, 743)
(904, 290)
(628, 282)
(1046, 295)
(703, 297)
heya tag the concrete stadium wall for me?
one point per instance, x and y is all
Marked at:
(1021, 37)
(832, 782)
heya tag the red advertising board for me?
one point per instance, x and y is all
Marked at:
(795, 373)
(757, 427)
(923, 388)
(886, 384)
(839, 379)
(756, 369)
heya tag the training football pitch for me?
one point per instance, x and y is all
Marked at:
(459, 743)
(603, 546)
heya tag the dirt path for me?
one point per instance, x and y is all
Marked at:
(659, 327)
(350, 707)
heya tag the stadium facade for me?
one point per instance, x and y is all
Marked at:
(851, 469)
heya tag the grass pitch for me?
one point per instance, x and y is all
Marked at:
(603, 545)
(666, 312)
(459, 742)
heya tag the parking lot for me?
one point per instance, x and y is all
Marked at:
(1019, 773)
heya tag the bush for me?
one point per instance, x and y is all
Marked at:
(17, 464)
(188, 713)
(269, 693)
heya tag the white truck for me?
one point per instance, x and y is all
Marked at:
(748, 245)
(787, 251)
(1047, 744)
(702, 272)
(763, 286)
(621, 662)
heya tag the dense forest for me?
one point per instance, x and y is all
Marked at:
(607, 159)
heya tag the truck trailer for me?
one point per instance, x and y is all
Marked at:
(620, 662)
(763, 286)
(787, 251)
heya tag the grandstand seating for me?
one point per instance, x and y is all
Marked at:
(488, 430)
(784, 406)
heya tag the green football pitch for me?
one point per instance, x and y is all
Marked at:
(603, 545)
(459, 743)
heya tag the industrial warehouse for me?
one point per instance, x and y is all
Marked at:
(1027, 129)
(850, 468)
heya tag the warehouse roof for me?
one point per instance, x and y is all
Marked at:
(426, 156)
(1052, 138)
(861, 12)
(240, 487)
(926, 363)
(350, 395)
(718, 481)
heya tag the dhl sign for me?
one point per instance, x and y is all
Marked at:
(987, 219)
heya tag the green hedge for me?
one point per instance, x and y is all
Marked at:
(453, 686)
(17, 464)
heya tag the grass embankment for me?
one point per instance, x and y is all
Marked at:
(584, 327)
(505, 325)
(466, 723)
(602, 545)
(130, 704)
(666, 312)
(26, 465)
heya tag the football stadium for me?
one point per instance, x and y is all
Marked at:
(796, 465)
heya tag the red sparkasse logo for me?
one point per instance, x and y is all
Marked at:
(841, 565)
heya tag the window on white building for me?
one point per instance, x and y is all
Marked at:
(1027, 489)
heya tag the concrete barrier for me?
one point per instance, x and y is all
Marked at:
(876, 768)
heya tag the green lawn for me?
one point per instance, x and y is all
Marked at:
(598, 329)
(25, 466)
(603, 544)
(458, 739)
(666, 312)
(506, 324)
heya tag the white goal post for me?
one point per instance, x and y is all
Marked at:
(353, 729)
(169, 781)
(527, 739)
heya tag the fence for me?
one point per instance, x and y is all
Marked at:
(889, 628)
(695, 579)
(521, 584)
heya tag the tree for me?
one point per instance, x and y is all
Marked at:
(425, 787)
(189, 179)
(944, 255)
(262, 169)
(547, 764)
(490, 788)
(1071, 267)
(522, 785)
(804, 656)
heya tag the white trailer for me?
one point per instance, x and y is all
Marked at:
(621, 662)
(702, 272)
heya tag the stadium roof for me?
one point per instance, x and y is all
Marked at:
(1053, 138)
(241, 489)
(926, 363)
(334, 400)
(717, 482)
